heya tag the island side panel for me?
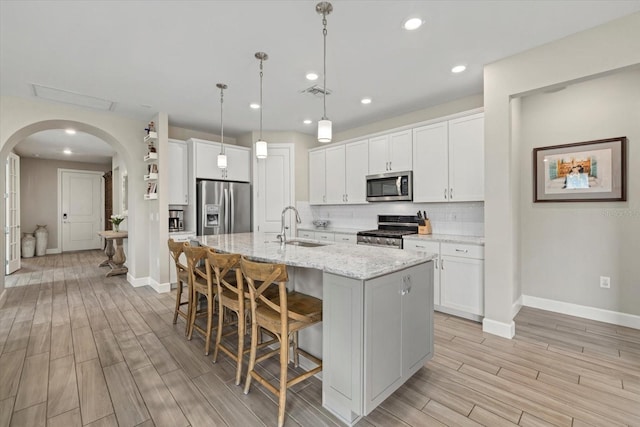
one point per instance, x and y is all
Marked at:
(343, 346)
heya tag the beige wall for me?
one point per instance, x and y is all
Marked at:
(183, 134)
(566, 247)
(39, 193)
(581, 56)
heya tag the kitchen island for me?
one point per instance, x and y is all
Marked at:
(377, 328)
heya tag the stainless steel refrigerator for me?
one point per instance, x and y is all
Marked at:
(223, 207)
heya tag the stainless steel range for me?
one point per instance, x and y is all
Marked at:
(390, 230)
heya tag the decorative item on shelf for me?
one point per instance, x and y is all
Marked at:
(42, 238)
(322, 223)
(116, 220)
(151, 127)
(152, 149)
(28, 245)
(222, 157)
(324, 125)
(261, 144)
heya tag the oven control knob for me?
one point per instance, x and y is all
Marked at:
(377, 240)
(389, 242)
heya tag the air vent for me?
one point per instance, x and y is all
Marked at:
(316, 90)
(73, 98)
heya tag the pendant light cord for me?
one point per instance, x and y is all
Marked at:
(221, 122)
(261, 99)
(324, 71)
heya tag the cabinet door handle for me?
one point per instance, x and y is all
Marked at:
(451, 193)
(436, 262)
(389, 165)
(445, 194)
(346, 197)
(441, 264)
(419, 246)
(464, 251)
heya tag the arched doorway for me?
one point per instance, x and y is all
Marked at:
(124, 157)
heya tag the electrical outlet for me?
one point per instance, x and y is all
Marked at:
(605, 282)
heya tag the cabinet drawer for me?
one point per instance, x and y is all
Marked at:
(462, 250)
(345, 238)
(424, 246)
(306, 234)
(321, 235)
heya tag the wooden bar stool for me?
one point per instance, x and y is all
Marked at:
(176, 249)
(200, 283)
(283, 316)
(231, 295)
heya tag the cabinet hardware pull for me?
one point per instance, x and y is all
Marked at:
(451, 194)
(390, 166)
(445, 194)
(436, 262)
(464, 251)
(441, 264)
(418, 246)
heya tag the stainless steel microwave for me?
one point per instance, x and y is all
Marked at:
(390, 187)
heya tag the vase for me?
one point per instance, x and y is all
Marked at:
(42, 237)
(116, 227)
(28, 245)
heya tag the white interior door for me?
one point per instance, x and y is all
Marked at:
(12, 229)
(275, 189)
(81, 210)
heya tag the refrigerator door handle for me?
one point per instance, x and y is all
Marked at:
(232, 222)
(226, 211)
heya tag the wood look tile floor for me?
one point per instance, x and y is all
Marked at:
(79, 349)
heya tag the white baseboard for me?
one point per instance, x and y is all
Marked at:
(515, 308)
(137, 282)
(159, 287)
(53, 251)
(586, 312)
(501, 329)
(144, 281)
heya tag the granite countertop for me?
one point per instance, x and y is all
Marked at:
(329, 229)
(348, 260)
(447, 238)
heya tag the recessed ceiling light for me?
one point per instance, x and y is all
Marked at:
(412, 24)
(254, 105)
(307, 121)
(70, 131)
(67, 151)
(365, 101)
(312, 76)
(458, 69)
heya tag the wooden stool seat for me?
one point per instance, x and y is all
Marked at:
(283, 316)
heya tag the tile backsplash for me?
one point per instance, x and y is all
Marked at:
(463, 218)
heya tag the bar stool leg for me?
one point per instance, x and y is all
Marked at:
(241, 333)
(219, 331)
(209, 323)
(284, 364)
(252, 355)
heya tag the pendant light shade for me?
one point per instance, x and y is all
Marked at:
(324, 8)
(222, 157)
(261, 149)
(324, 131)
(261, 144)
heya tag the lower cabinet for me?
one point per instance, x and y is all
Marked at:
(368, 355)
(458, 279)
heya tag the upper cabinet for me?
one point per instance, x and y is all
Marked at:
(317, 174)
(178, 171)
(238, 161)
(337, 174)
(449, 159)
(391, 152)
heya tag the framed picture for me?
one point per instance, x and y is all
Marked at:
(591, 171)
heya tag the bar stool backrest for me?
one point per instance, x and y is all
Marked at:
(194, 255)
(176, 249)
(221, 264)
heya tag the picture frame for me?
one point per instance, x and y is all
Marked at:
(590, 171)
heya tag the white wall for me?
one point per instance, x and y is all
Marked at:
(39, 193)
(578, 57)
(566, 247)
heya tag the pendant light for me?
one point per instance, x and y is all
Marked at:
(324, 125)
(222, 157)
(261, 144)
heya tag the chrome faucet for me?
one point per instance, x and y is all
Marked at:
(282, 236)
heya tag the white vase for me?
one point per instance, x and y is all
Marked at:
(42, 237)
(28, 245)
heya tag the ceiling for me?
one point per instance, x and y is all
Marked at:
(150, 56)
(50, 145)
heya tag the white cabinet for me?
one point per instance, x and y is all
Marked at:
(432, 247)
(376, 334)
(317, 172)
(345, 238)
(458, 276)
(178, 187)
(325, 235)
(391, 152)
(398, 316)
(462, 277)
(328, 236)
(206, 161)
(337, 174)
(449, 159)
(306, 234)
